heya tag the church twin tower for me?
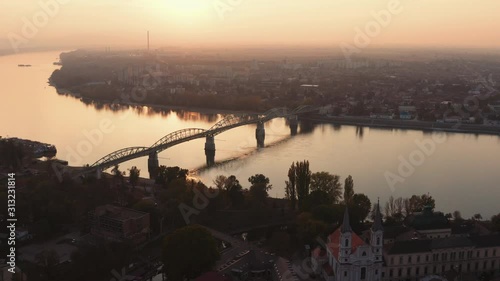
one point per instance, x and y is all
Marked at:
(352, 259)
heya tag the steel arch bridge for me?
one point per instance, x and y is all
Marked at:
(229, 122)
(130, 153)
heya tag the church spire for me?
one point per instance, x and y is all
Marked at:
(377, 223)
(346, 226)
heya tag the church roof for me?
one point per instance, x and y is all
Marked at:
(334, 244)
(346, 226)
(377, 224)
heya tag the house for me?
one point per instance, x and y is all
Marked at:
(407, 112)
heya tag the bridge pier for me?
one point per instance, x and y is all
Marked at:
(260, 134)
(98, 173)
(210, 150)
(293, 122)
(153, 165)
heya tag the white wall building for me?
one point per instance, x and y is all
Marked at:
(348, 257)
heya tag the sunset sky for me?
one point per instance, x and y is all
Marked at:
(458, 23)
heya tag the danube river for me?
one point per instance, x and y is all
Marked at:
(461, 171)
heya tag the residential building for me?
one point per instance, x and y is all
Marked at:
(466, 256)
(427, 248)
(120, 224)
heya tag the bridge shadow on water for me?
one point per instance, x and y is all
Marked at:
(238, 162)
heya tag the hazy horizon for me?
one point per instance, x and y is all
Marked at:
(218, 23)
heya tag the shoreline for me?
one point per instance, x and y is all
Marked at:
(349, 121)
(409, 125)
(201, 110)
(346, 120)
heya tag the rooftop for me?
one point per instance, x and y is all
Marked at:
(484, 241)
(118, 213)
(427, 245)
(334, 242)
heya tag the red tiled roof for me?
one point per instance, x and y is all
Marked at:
(334, 244)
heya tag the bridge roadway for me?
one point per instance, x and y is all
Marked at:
(184, 135)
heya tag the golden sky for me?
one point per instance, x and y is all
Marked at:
(458, 23)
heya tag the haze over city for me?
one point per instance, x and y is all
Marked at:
(221, 23)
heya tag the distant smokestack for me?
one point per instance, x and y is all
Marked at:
(148, 40)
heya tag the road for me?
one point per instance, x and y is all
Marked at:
(237, 246)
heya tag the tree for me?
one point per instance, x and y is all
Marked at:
(117, 174)
(399, 206)
(220, 181)
(235, 192)
(348, 189)
(94, 261)
(189, 252)
(414, 204)
(457, 216)
(329, 214)
(328, 183)
(134, 176)
(360, 208)
(260, 179)
(495, 222)
(477, 217)
(167, 175)
(417, 203)
(408, 208)
(290, 187)
(309, 228)
(260, 187)
(279, 243)
(316, 198)
(390, 207)
(303, 179)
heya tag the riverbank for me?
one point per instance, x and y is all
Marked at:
(341, 120)
(407, 124)
(149, 105)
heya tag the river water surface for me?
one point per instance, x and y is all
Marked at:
(461, 173)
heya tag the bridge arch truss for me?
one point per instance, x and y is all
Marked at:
(184, 135)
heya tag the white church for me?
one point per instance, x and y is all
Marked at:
(348, 258)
